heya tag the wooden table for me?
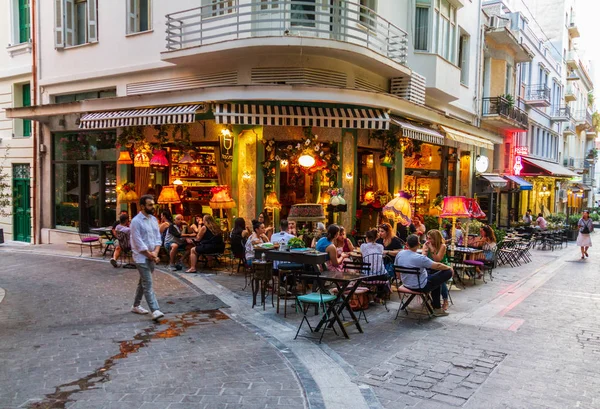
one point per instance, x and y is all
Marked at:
(342, 281)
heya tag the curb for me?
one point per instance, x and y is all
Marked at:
(2, 294)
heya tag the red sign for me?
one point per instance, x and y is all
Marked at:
(521, 150)
(518, 166)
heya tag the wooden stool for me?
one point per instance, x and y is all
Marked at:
(262, 273)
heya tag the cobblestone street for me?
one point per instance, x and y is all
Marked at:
(528, 339)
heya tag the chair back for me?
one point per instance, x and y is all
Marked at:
(357, 267)
(124, 241)
(399, 270)
(375, 260)
(237, 245)
(85, 236)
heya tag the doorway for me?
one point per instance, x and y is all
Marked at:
(97, 198)
(22, 202)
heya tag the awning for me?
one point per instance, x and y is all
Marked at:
(581, 186)
(551, 168)
(523, 184)
(180, 114)
(466, 138)
(274, 115)
(495, 180)
(419, 132)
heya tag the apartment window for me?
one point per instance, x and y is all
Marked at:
(445, 22)
(80, 96)
(75, 22)
(367, 13)
(525, 73)
(303, 14)
(463, 58)
(24, 21)
(26, 100)
(139, 16)
(267, 4)
(422, 25)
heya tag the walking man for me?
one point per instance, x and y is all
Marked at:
(145, 244)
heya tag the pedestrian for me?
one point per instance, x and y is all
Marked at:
(145, 245)
(586, 226)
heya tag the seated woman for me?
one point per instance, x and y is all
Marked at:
(326, 244)
(196, 224)
(435, 249)
(264, 219)
(210, 241)
(447, 233)
(487, 242)
(343, 243)
(391, 246)
(419, 228)
(238, 237)
(372, 253)
(256, 238)
(541, 222)
(319, 233)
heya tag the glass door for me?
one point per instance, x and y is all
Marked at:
(91, 195)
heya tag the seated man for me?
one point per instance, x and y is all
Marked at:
(423, 282)
(281, 238)
(123, 227)
(175, 239)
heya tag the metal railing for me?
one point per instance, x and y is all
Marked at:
(501, 106)
(345, 21)
(539, 92)
(561, 112)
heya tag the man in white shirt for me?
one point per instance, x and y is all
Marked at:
(282, 238)
(423, 282)
(145, 245)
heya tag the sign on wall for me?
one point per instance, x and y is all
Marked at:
(226, 146)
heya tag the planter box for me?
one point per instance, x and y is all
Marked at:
(1, 236)
(572, 234)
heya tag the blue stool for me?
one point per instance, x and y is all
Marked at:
(316, 299)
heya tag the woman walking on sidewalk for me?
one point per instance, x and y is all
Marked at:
(586, 226)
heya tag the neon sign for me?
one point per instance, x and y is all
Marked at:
(521, 150)
(518, 166)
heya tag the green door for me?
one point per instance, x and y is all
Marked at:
(26, 89)
(21, 203)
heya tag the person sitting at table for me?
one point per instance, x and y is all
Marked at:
(210, 241)
(487, 242)
(447, 233)
(292, 228)
(175, 239)
(459, 234)
(402, 232)
(335, 261)
(391, 246)
(264, 218)
(420, 228)
(123, 227)
(541, 222)
(424, 281)
(343, 243)
(319, 234)
(196, 224)
(257, 237)
(372, 252)
(166, 219)
(528, 219)
(435, 249)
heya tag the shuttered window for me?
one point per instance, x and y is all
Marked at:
(75, 22)
(139, 16)
(24, 21)
(26, 95)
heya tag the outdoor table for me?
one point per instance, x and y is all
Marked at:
(342, 281)
(104, 232)
(311, 257)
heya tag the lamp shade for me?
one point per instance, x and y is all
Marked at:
(455, 206)
(159, 158)
(124, 158)
(306, 160)
(221, 198)
(177, 182)
(398, 209)
(186, 158)
(475, 210)
(271, 201)
(141, 160)
(168, 195)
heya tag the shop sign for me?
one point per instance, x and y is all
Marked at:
(481, 163)
(518, 166)
(521, 150)
(226, 146)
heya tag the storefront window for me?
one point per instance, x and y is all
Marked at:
(423, 180)
(66, 195)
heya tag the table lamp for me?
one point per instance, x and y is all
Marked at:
(221, 199)
(168, 196)
(454, 207)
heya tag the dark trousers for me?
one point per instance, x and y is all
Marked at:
(434, 281)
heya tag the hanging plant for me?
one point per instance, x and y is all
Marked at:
(181, 137)
(130, 135)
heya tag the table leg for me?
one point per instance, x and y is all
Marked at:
(346, 303)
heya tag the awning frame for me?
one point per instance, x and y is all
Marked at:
(547, 167)
(466, 138)
(166, 115)
(420, 133)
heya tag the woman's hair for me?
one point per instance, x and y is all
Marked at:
(195, 221)
(489, 233)
(239, 225)
(256, 225)
(332, 231)
(436, 239)
(342, 230)
(211, 224)
(540, 215)
(265, 217)
(448, 226)
(371, 235)
(167, 214)
(385, 227)
(584, 212)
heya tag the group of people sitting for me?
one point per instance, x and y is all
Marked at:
(540, 222)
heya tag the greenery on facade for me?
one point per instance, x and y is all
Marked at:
(5, 187)
(509, 98)
(134, 137)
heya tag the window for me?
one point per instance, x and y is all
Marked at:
(139, 16)
(60, 99)
(368, 17)
(26, 97)
(266, 4)
(463, 58)
(214, 8)
(303, 14)
(525, 72)
(24, 21)
(422, 25)
(445, 22)
(76, 22)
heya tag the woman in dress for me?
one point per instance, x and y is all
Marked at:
(264, 218)
(487, 242)
(372, 253)
(586, 226)
(197, 224)
(210, 238)
(238, 237)
(326, 244)
(435, 249)
(391, 246)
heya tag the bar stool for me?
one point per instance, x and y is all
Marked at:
(262, 274)
(286, 270)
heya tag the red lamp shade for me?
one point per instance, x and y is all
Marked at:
(455, 206)
(475, 210)
(159, 158)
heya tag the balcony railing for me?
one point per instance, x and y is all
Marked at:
(345, 21)
(561, 113)
(502, 107)
(538, 94)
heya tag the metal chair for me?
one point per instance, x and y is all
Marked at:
(88, 239)
(378, 277)
(404, 292)
(304, 302)
(361, 268)
(126, 252)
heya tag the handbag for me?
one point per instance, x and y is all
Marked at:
(586, 229)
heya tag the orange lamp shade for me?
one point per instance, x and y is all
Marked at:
(168, 195)
(141, 160)
(399, 210)
(124, 158)
(455, 206)
(221, 199)
(271, 201)
(369, 196)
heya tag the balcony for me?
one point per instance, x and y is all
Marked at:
(571, 93)
(561, 114)
(573, 29)
(569, 129)
(501, 33)
(502, 114)
(537, 95)
(228, 30)
(572, 60)
(442, 77)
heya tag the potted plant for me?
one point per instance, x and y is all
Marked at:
(596, 219)
(5, 192)
(573, 229)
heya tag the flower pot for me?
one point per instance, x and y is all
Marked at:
(1, 236)
(572, 234)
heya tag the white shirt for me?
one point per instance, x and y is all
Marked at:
(373, 253)
(282, 238)
(144, 236)
(410, 259)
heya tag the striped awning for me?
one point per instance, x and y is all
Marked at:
(288, 115)
(419, 132)
(180, 114)
(467, 139)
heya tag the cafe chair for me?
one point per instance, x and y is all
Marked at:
(360, 299)
(286, 279)
(459, 265)
(379, 280)
(126, 252)
(87, 239)
(322, 302)
(262, 276)
(408, 294)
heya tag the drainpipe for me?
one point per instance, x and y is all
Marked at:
(479, 65)
(34, 124)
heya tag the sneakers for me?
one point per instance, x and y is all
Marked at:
(113, 263)
(157, 314)
(172, 268)
(438, 312)
(139, 310)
